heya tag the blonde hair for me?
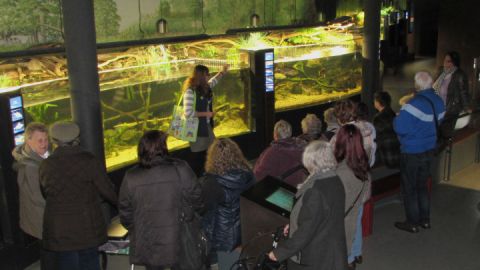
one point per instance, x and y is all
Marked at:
(329, 116)
(318, 156)
(224, 155)
(282, 129)
(35, 126)
(311, 124)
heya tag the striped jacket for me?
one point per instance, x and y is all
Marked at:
(189, 96)
(415, 125)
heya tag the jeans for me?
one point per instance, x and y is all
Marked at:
(357, 238)
(415, 171)
(86, 259)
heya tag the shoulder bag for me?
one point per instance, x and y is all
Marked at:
(181, 127)
(193, 243)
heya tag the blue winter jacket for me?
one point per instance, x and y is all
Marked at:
(221, 222)
(415, 125)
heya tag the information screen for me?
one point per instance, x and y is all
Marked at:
(16, 102)
(282, 198)
(17, 117)
(269, 76)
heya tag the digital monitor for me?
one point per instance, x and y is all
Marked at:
(269, 56)
(19, 139)
(18, 127)
(282, 198)
(269, 88)
(16, 102)
(17, 114)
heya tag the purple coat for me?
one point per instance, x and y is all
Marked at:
(281, 156)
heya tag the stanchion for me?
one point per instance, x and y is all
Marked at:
(447, 162)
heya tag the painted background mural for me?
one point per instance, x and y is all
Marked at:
(30, 24)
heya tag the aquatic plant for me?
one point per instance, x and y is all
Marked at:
(254, 41)
(385, 11)
(209, 51)
(5, 81)
(42, 113)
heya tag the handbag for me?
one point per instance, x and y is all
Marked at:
(193, 243)
(181, 127)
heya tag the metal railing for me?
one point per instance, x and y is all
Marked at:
(447, 159)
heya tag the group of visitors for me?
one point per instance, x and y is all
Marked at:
(61, 194)
(332, 177)
(62, 190)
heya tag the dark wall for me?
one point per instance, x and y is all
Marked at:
(426, 26)
(458, 27)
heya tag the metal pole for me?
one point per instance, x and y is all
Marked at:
(80, 43)
(370, 53)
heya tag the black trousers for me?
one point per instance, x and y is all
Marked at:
(160, 268)
(196, 160)
(415, 171)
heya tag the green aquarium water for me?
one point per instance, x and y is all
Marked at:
(314, 80)
(139, 85)
(131, 107)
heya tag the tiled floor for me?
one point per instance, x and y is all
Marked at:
(468, 178)
(453, 243)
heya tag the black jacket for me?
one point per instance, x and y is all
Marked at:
(317, 230)
(222, 221)
(73, 181)
(458, 98)
(149, 205)
(388, 146)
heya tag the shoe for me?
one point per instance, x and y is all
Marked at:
(359, 259)
(426, 225)
(405, 226)
(352, 266)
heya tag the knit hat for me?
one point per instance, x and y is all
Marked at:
(64, 132)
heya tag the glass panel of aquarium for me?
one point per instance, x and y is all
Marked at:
(140, 96)
(138, 89)
(317, 65)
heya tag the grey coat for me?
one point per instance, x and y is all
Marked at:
(317, 234)
(32, 203)
(353, 187)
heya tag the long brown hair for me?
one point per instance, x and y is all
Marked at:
(152, 144)
(349, 146)
(225, 155)
(345, 111)
(193, 82)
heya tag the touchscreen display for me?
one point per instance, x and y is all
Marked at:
(282, 198)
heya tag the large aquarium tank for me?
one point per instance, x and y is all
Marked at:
(318, 65)
(139, 87)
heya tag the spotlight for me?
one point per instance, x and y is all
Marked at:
(254, 20)
(162, 26)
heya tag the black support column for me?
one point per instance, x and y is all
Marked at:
(370, 53)
(80, 43)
